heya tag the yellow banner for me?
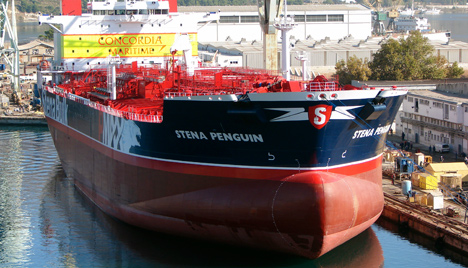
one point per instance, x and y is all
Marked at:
(124, 45)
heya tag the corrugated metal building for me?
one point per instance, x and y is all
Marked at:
(325, 52)
(325, 34)
(314, 21)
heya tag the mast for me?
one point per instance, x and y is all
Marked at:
(285, 24)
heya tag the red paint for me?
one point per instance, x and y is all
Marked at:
(71, 7)
(172, 6)
(307, 213)
(319, 115)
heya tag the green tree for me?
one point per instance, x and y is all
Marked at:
(407, 59)
(454, 71)
(84, 5)
(48, 35)
(44, 6)
(354, 69)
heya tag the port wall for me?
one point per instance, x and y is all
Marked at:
(443, 232)
(19, 120)
(457, 88)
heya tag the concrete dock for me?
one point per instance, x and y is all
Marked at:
(444, 230)
(24, 119)
(18, 112)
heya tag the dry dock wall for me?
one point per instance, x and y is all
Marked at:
(20, 120)
(443, 230)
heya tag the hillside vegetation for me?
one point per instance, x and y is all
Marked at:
(44, 6)
(34, 6)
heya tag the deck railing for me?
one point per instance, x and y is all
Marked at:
(103, 108)
(190, 94)
(321, 86)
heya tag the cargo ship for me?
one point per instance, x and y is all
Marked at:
(240, 156)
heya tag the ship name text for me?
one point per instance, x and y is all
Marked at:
(371, 132)
(55, 107)
(124, 45)
(129, 40)
(218, 136)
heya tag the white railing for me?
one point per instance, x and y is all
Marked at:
(104, 108)
(321, 86)
(184, 94)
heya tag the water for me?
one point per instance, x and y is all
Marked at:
(454, 22)
(46, 222)
(29, 31)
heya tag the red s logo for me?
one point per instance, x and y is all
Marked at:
(319, 115)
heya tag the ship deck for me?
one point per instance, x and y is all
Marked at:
(139, 105)
(140, 91)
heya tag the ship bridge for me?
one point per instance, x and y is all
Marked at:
(136, 31)
(133, 7)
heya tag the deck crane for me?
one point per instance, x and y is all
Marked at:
(10, 55)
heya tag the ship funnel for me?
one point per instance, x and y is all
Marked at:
(172, 5)
(71, 7)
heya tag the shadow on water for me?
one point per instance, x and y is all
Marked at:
(424, 241)
(87, 236)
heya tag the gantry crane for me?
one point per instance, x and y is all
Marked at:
(393, 14)
(10, 55)
(378, 17)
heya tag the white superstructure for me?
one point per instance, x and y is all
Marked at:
(430, 117)
(411, 23)
(433, 11)
(135, 30)
(407, 12)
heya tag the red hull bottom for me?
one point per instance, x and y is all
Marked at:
(307, 213)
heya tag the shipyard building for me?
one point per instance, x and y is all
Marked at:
(313, 21)
(325, 34)
(437, 117)
(434, 113)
